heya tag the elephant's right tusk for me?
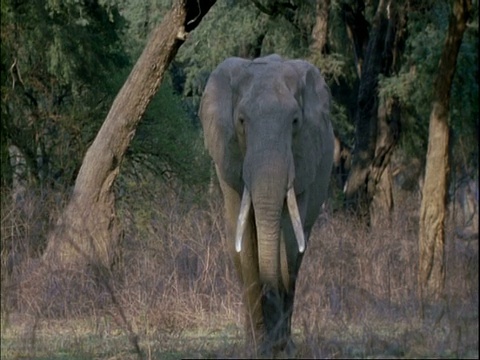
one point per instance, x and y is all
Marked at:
(242, 218)
(296, 221)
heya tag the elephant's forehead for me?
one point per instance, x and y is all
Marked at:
(269, 88)
(268, 95)
(274, 79)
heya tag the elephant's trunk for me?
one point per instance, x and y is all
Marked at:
(268, 235)
(268, 183)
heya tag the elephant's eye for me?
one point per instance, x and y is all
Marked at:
(296, 122)
(241, 122)
(240, 125)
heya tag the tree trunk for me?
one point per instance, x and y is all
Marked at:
(366, 114)
(376, 122)
(433, 206)
(88, 231)
(357, 30)
(20, 173)
(320, 29)
(379, 185)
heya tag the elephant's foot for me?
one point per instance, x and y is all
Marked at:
(284, 350)
(265, 351)
(289, 351)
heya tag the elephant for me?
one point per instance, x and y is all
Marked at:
(266, 125)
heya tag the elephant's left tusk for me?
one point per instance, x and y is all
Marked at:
(242, 218)
(296, 221)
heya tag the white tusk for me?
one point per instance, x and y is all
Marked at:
(296, 221)
(242, 219)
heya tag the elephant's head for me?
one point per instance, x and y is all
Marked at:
(267, 128)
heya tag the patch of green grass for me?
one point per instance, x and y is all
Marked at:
(79, 339)
(333, 338)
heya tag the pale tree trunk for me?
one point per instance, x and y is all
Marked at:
(318, 46)
(20, 173)
(88, 231)
(381, 205)
(433, 205)
(380, 178)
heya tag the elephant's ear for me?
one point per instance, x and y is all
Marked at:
(316, 130)
(216, 115)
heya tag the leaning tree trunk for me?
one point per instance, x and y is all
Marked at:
(88, 231)
(433, 206)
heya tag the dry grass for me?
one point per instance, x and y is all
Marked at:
(174, 293)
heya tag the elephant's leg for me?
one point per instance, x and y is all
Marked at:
(254, 323)
(291, 261)
(276, 309)
(289, 296)
(272, 307)
(246, 266)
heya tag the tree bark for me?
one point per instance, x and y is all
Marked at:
(88, 231)
(366, 114)
(379, 185)
(433, 205)
(20, 173)
(320, 29)
(357, 30)
(376, 122)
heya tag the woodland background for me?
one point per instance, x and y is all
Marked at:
(171, 291)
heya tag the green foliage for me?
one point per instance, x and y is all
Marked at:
(333, 66)
(84, 42)
(283, 38)
(61, 57)
(167, 143)
(71, 61)
(344, 128)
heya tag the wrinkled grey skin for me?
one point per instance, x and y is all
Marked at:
(267, 127)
